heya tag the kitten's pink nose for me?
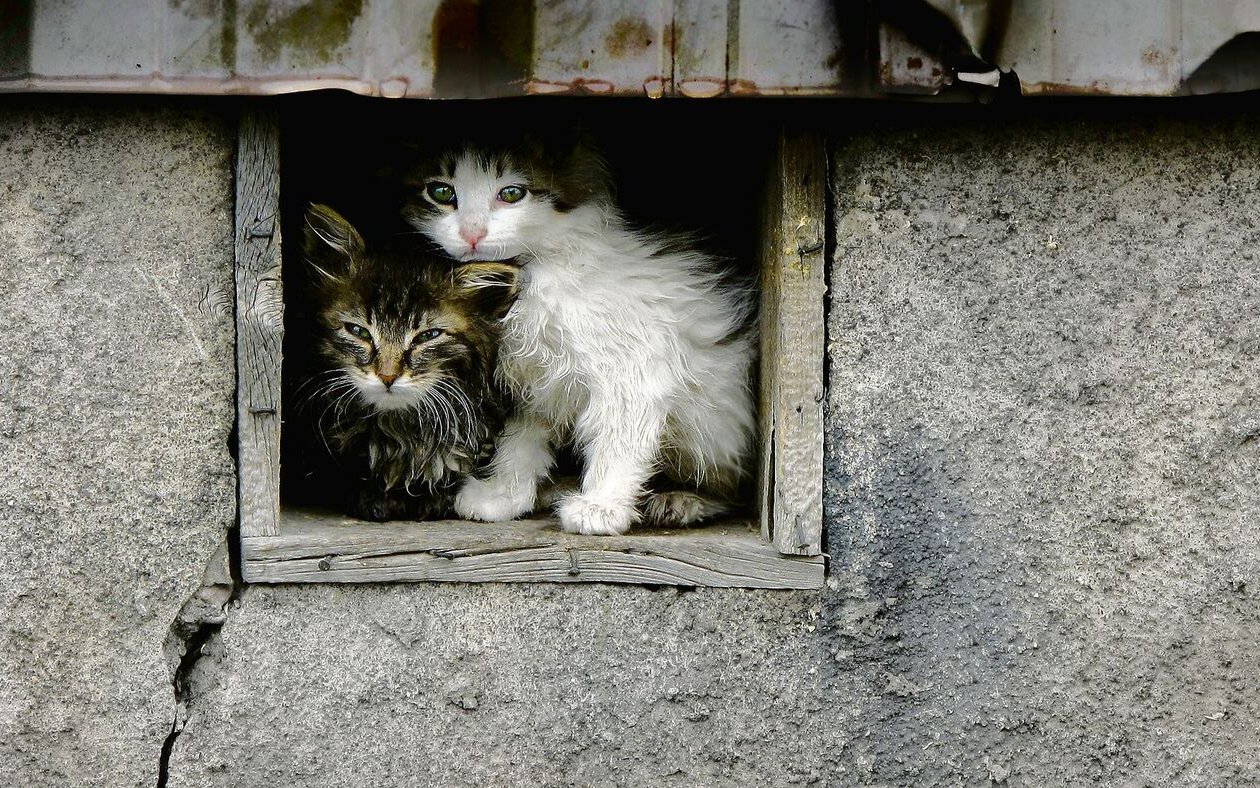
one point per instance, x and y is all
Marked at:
(387, 379)
(472, 236)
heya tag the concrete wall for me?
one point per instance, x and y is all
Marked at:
(1041, 497)
(1042, 481)
(117, 374)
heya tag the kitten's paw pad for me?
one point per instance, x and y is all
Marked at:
(680, 508)
(581, 515)
(492, 503)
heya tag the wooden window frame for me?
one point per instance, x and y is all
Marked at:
(782, 550)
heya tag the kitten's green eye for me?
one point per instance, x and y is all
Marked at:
(428, 336)
(359, 331)
(512, 193)
(441, 193)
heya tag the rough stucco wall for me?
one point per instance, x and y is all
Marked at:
(1041, 491)
(506, 684)
(1041, 485)
(1042, 471)
(115, 286)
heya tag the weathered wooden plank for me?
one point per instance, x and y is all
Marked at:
(793, 346)
(768, 257)
(315, 548)
(259, 320)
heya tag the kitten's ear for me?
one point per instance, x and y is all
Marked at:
(492, 286)
(577, 168)
(330, 242)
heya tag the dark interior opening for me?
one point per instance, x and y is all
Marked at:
(697, 166)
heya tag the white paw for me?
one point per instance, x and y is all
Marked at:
(493, 503)
(580, 514)
(679, 507)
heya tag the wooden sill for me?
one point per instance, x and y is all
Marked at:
(323, 547)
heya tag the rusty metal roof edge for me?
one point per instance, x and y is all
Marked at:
(681, 48)
(194, 87)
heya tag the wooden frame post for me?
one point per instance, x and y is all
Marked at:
(259, 321)
(793, 344)
(289, 545)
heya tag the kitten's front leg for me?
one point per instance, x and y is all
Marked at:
(522, 458)
(621, 437)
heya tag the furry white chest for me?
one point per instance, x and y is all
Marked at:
(551, 345)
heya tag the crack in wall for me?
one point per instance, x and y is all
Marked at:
(197, 622)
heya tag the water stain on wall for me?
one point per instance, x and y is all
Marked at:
(15, 38)
(482, 48)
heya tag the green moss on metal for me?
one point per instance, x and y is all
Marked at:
(313, 32)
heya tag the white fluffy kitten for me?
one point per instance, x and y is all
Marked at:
(632, 345)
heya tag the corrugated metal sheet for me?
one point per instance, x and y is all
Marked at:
(1114, 47)
(1120, 47)
(697, 48)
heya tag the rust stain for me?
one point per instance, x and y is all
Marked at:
(455, 27)
(456, 38)
(656, 87)
(481, 48)
(598, 86)
(748, 87)
(702, 87)
(1154, 56)
(628, 36)
(1098, 88)
(594, 85)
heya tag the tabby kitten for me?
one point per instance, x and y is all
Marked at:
(632, 345)
(402, 387)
